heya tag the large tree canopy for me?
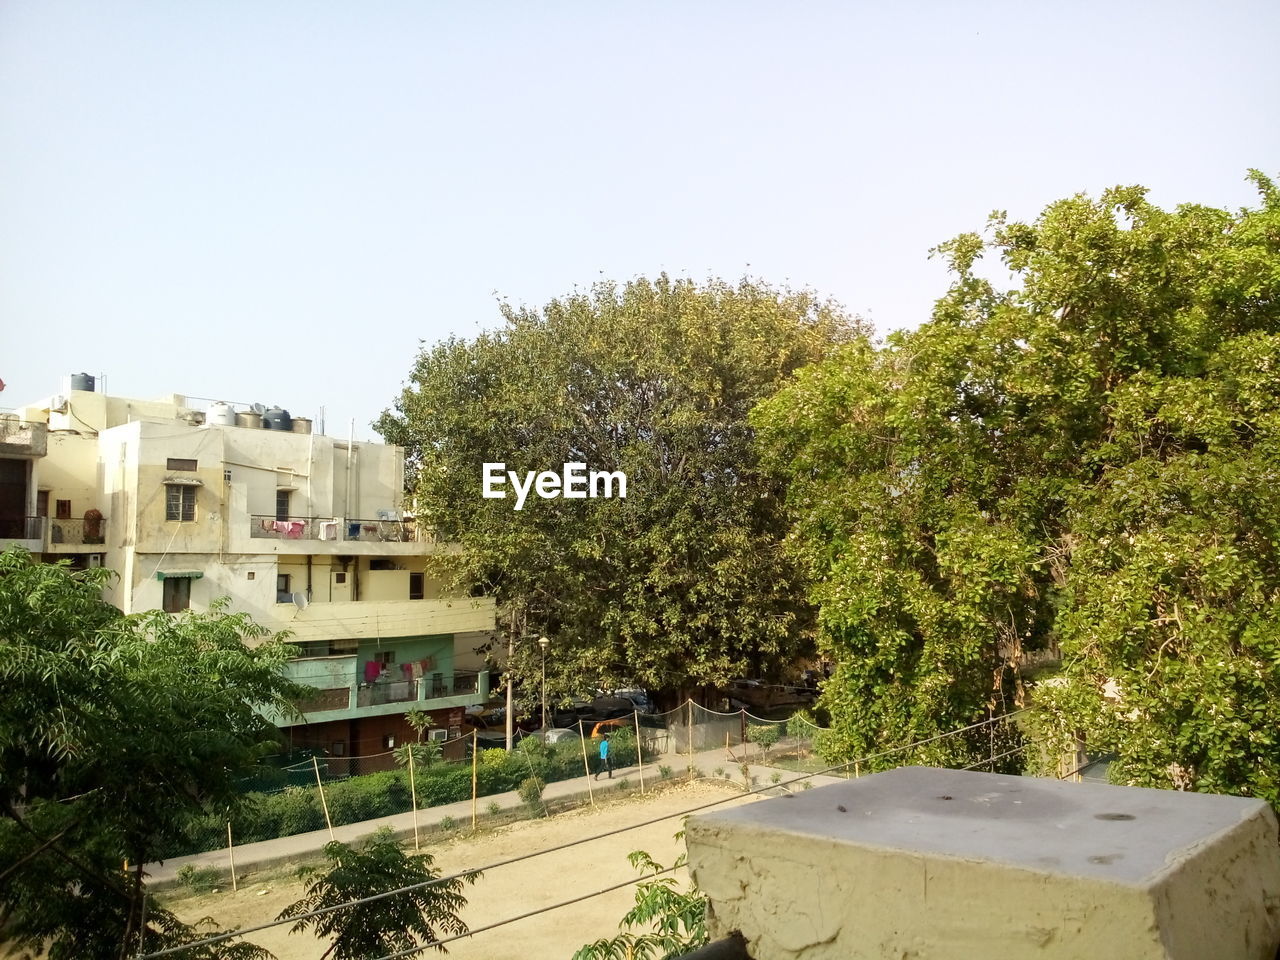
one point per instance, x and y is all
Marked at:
(681, 583)
(113, 731)
(1088, 460)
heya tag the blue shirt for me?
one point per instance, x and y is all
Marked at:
(604, 749)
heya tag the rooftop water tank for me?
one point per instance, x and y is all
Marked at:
(82, 381)
(301, 424)
(249, 418)
(220, 415)
(277, 419)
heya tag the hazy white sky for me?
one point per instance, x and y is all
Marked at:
(276, 201)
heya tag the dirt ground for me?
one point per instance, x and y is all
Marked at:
(505, 891)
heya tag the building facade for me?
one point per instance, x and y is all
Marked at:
(304, 532)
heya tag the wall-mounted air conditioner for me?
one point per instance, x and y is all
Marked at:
(95, 560)
(438, 735)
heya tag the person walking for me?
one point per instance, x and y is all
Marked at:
(606, 762)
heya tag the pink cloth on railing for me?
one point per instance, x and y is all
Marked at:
(371, 670)
(289, 529)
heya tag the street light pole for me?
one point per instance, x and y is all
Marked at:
(543, 642)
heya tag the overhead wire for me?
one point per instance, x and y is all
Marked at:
(319, 911)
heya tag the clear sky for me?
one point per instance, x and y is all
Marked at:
(276, 201)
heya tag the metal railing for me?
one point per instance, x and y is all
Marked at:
(22, 528)
(380, 531)
(270, 527)
(73, 532)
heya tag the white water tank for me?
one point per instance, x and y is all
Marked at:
(220, 415)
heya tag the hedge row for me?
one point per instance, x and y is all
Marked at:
(266, 816)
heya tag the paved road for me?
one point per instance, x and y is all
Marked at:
(303, 845)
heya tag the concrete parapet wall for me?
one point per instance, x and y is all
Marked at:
(952, 865)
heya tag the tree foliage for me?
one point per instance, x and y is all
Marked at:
(416, 917)
(672, 921)
(681, 583)
(114, 731)
(1088, 461)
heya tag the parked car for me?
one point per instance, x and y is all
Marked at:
(556, 734)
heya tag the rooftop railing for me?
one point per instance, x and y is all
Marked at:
(272, 527)
(22, 528)
(84, 531)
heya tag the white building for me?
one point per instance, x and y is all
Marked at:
(304, 532)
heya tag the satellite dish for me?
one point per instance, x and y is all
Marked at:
(300, 601)
(258, 408)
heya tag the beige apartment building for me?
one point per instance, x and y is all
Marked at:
(306, 533)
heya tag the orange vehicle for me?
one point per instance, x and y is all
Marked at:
(612, 726)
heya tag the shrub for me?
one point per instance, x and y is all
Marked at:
(719, 772)
(664, 771)
(806, 785)
(494, 809)
(530, 791)
(448, 823)
(764, 735)
(199, 879)
(624, 783)
(776, 777)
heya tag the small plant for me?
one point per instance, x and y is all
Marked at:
(806, 785)
(764, 735)
(664, 771)
(776, 777)
(530, 791)
(494, 808)
(719, 772)
(199, 879)
(745, 769)
(624, 784)
(447, 824)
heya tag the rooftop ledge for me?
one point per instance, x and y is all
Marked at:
(955, 865)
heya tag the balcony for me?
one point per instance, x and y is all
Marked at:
(21, 438)
(271, 527)
(384, 531)
(27, 531)
(340, 696)
(65, 534)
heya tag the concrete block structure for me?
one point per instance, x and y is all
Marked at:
(956, 865)
(306, 533)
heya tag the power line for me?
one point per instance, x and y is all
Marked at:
(218, 938)
(525, 916)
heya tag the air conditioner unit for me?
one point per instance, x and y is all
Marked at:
(438, 735)
(95, 560)
(58, 404)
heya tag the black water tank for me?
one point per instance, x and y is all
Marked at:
(82, 381)
(277, 419)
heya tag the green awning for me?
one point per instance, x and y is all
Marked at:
(178, 574)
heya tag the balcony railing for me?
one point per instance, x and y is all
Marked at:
(22, 528)
(271, 527)
(381, 531)
(77, 532)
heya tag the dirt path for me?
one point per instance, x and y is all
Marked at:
(506, 891)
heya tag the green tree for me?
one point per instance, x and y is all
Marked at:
(682, 583)
(1086, 461)
(673, 921)
(114, 732)
(416, 917)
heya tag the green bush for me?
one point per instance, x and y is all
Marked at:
(531, 791)
(764, 735)
(199, 879)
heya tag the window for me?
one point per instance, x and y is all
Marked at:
(339, 578)
(389, 741)
(282, 504)
(283, 593)
(416, 584)
(180, 502)
(42, 503)
(63, 510)
(338, 748)
(343, 647)
(177, 594)
(177, 463)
